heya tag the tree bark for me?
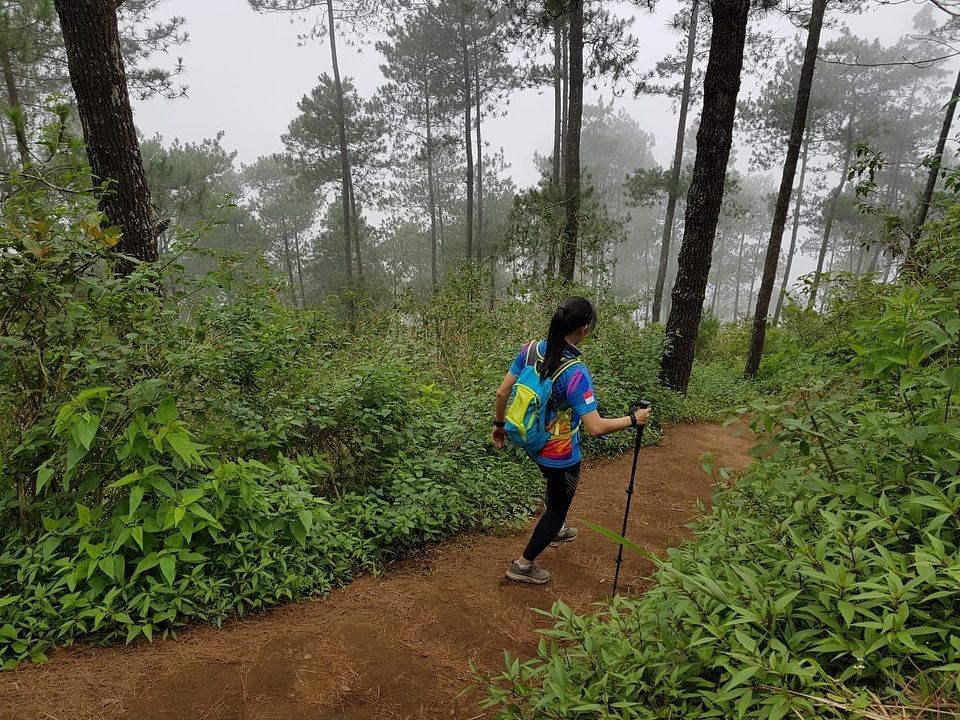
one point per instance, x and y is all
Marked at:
(831, 213)
(432, 196)
(753, 278)
(303, 294)
(99, 81)
(736, 295)
(493, 279)
(677, 163)
(467, 140)
(355, 223)
(345, 179)
(5, 160)
(553, 242)
(288, 261)
(557, 103)
(927, 196)
(564, 92)
(769, 278)
(874, 259)
(568, 250)
(720, 88)
(15, 108)
(793, 237)
(478, 103)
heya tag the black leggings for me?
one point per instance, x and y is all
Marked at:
(561, 487)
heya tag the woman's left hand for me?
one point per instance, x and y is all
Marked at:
(499, 437)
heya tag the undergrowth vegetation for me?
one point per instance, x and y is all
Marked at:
(177, 450)
(824, 583)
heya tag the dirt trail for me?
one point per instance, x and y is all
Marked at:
(396, 646)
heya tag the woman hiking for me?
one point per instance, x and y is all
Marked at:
(572, 403)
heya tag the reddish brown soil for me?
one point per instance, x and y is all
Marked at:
(394, 646)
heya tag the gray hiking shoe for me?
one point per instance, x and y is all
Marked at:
(567, 534)
(531, 574)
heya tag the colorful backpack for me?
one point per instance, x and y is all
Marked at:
(530, 401)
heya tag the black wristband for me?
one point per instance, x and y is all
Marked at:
(499, 423)
(633, 418)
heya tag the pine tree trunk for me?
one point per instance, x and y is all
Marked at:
(15, 108)
(720, 88)
(303, 294)
(345, 179)
(753, 278)
(467, 140)
(672, 268)
(441, 241)
(5, 160)
(831, 213)
(565, 93)
(432, 196)
(769, 279)
(493, 279)
(793, 237)
(355, 227)
(557, 103)
(874, 259)
(99, 81)
(553, 243)
(568, 250)
(677, 163)
(927, 196)
(288, 261)
(478, 102)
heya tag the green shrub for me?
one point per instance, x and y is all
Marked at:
(186, 455)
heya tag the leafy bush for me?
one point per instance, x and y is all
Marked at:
(826, 578)
(207, 450)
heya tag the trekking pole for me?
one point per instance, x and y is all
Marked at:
(643, 405)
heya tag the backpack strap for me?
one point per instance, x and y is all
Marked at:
(533, 353)
(564, 367)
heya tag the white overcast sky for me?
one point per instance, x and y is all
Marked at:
(246, 72)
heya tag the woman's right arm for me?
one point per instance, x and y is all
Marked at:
(499, 435)
(503, 396)
(597, 425)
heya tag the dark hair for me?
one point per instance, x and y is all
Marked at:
(572, 314)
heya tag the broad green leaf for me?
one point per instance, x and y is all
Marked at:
(44, 473)
(85, 429)
(306, 519)
(136, 496)
(201, 513)
(167, 411)
(168, 566)
(125, 480)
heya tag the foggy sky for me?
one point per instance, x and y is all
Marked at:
(246, 72)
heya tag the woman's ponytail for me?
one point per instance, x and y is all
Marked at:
(572, 314)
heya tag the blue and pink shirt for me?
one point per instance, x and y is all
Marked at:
(574, 397)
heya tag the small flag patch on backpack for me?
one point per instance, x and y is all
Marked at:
(588, 397)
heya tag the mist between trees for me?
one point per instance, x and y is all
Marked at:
(380, 195)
